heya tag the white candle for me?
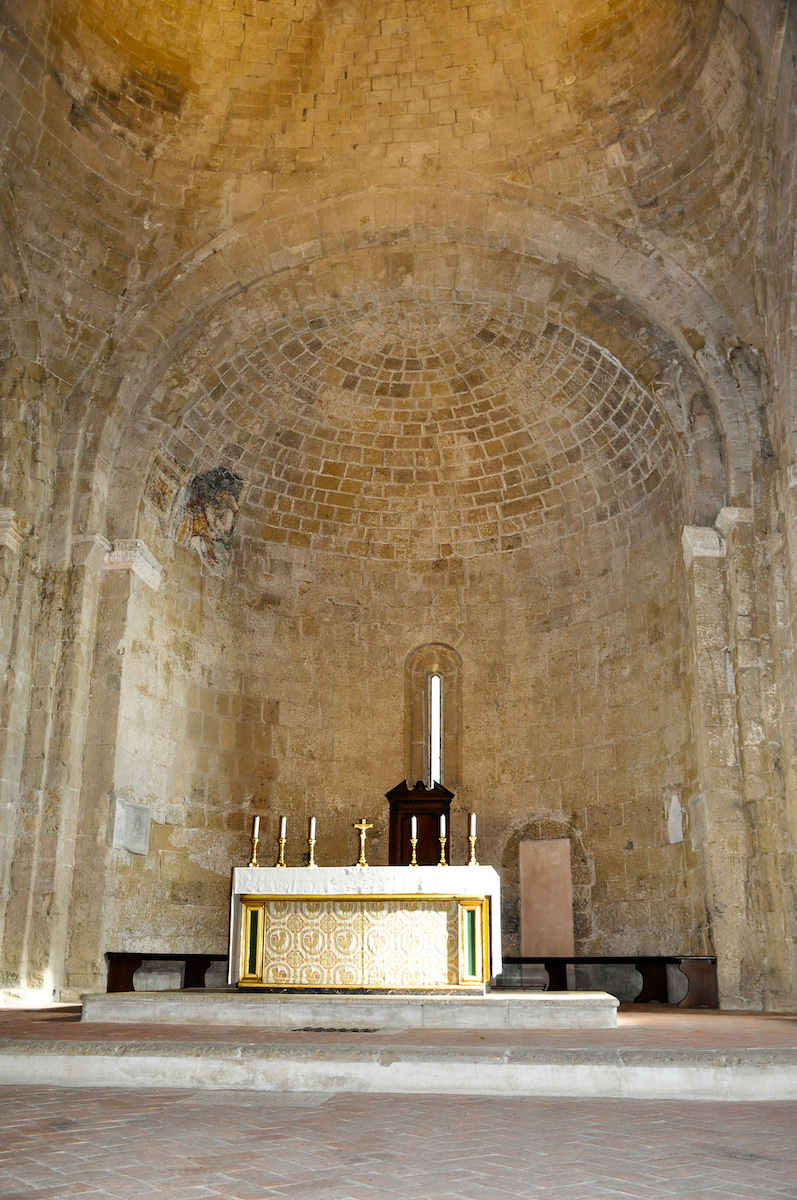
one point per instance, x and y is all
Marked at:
(283, 826)
(414, 827)
(472, 824)
(312, 827)
(256, 827)
(442, 825)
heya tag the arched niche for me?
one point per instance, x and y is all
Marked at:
(422, 664)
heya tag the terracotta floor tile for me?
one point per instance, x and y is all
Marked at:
(154, 1146)
(106, 1144)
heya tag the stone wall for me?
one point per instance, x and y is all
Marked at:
(280, 690)
(329, 333)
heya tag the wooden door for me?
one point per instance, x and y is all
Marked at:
(428, 849)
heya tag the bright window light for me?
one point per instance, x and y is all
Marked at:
(435, 730)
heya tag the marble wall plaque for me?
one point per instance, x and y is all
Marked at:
(131, 826)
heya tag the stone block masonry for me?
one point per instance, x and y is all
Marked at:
(328, 336)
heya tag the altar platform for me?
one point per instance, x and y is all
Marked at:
(661, 1053)
(371, 1013)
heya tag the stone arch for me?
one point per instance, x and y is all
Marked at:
(246, 389)
(538, 827)
(107, 405)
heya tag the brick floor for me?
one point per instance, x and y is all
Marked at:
(638, 1027)
(56, 1144)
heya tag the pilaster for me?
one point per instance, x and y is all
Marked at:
(54, 782)
(43, 859)
(19, 594)
(717, 824)
(124, 563)
(771, 960)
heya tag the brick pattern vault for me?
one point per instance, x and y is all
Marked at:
(418, 424)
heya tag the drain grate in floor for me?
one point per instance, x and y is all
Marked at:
(326, 1029)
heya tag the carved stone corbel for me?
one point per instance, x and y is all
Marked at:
(13, 530)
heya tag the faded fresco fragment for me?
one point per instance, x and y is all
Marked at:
(207, 519)
(165, 486)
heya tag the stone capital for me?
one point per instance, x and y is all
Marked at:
(131, 554)
(90, 551)
(699, 541)
(13, 530)
(728, 518)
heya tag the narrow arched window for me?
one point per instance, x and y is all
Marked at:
(432, 715)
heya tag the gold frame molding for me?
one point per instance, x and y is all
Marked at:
(256, 903)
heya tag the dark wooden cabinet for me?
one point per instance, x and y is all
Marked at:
(428, 805)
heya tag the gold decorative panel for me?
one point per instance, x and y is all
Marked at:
(409, 943)
(312, 943)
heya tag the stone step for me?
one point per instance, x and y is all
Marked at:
(374, 1013)
(324, 1067)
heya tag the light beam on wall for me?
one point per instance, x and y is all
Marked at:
(435, 730)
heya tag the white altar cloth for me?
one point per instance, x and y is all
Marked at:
(365, 881)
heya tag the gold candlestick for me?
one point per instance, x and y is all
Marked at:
(311, 844)
(414, 844)
(253, 859)
(472, 860)
(281, 859)
(442, 842)
(363, 827)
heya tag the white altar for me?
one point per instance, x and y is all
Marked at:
(380, 928)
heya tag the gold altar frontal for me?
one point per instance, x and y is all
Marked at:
(373, 942)
(365, 928)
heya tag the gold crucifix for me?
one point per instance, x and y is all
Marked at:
(363, 827)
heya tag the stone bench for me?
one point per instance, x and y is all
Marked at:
(698, 971)
(169, 972)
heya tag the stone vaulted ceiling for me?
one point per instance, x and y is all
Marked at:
(412, 415)
(416, 421)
